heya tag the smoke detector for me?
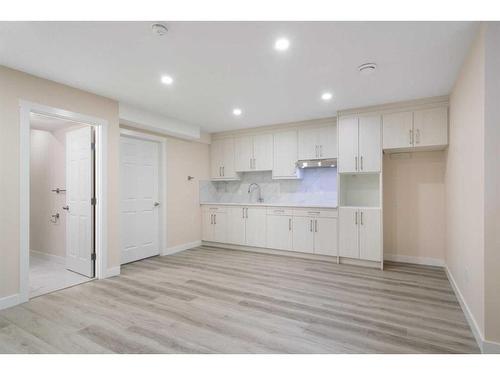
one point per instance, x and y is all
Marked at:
(159, 29)
(367, 68)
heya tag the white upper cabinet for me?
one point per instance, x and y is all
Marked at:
(254, 153)
(359, 144)
(317, 143)
(430, 127)
(285, 155)
(222, 159)
(370, 144)
(397, 130)
(422, 129)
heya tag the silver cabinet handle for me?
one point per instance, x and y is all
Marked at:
(211, 219)
(220, 171)
(243, 213)
(321, 150)
(411, 136)
(311, 226)
(361, 163)
(156, 204)
(361, 217)
(315, 225)
(247, 212)
(356, 217)
(223, 171)
(289, 224)
(418, 136)
(215, 218)
(66, 208)
(356, 163)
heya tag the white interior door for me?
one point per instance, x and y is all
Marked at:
(79, 193)
(140, 231)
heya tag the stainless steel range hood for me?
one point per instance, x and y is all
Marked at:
(317, 163)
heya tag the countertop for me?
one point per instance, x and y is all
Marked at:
(270, 204)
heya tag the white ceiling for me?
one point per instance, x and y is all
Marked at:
(221, 65)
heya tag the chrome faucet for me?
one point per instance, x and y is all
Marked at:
(257, 186)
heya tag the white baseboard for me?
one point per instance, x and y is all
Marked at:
(9, 301)
(182, 247)
(113, 271)
(414, 260)
(488, 347)
(54, 258)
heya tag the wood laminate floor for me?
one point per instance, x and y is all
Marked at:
(208, 300)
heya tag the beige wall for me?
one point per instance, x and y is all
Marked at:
(47, 171)
(465, 182)
(492, 182)
(414, 207)
(16, 85)
(184, 158)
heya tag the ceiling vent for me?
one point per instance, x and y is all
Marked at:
(159, 29)
(367, 68)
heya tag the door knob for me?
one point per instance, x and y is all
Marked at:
(157, 204)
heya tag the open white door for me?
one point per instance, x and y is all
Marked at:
(140, 230)
(79, 194)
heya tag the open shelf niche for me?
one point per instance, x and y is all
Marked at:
(360, 190)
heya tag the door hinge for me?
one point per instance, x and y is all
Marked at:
(92, 257)
(92, 146)
(93, 201)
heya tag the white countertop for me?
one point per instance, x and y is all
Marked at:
(270, 204)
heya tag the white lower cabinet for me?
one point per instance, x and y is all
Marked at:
(303, 234)
(360, 234)
(247, 226)
(279, 232)
(214, 225)
(315, 235)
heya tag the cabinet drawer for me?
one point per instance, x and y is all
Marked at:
(221, 209)
(311, 212)
(279, 211)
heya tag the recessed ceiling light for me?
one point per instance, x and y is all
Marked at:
(326, 96)
(367, 68)
(237, 112)
(281, 44)
(167, 80)
(159, 29)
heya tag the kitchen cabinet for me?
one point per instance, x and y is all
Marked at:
(360, 233)
(222, 159)
(279, 232)
(360, 148)
(254, 153)
(285, 155)
(423, 129)
(317, 143)
(247, 226)
(315, 234)
(214, 224)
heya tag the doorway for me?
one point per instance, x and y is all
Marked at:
(63, 188)
(142, 199)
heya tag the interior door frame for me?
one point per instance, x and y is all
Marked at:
(101, 188)
(162, 188)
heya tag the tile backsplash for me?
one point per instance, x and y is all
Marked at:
(318, 186)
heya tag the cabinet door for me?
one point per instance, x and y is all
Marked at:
(430, 127)
(325, 236)
(228, 170)
(370, 247)
(396, 130)
(263, 152)
(207, 229)
(348, 232)
(308, 144)
(348, 144)
(243, 154)
(279, 232)
(303, 234)
(236, 225)
(370, 146)
(256, 226)
(216, 158)
(285, 154)
(327, 141)
(220, 227)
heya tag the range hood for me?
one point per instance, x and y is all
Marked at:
(317, 163)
